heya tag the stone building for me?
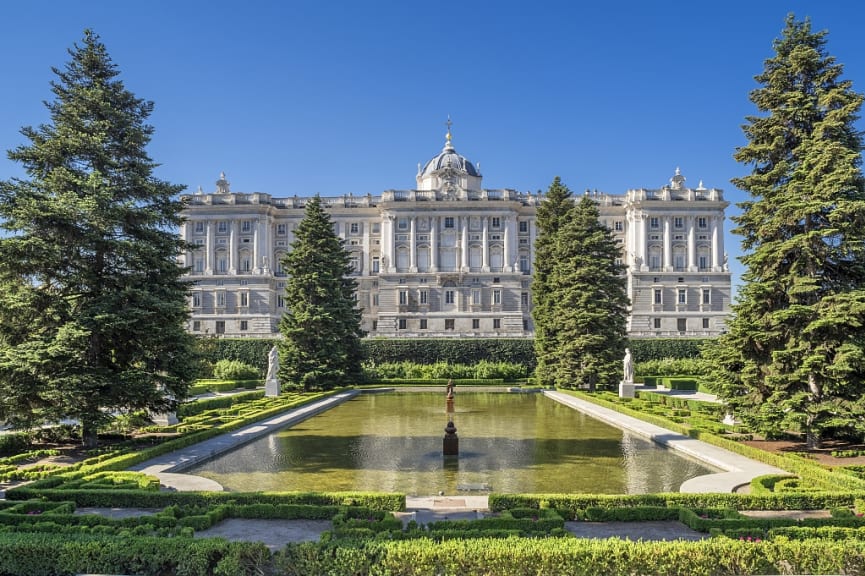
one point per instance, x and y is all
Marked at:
(450, 258)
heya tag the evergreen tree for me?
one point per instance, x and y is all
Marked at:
(590, 302)
(93, 307)
(552, 214)
(321, 329)
(794, 357)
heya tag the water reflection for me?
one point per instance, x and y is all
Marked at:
(510, 442)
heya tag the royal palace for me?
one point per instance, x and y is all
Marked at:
(452, 259)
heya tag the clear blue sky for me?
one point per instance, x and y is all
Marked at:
(337, 97)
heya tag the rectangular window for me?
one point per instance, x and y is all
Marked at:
(476, 324)
(280, 301)
(245, 226)
(682, 324)
(524, 263)
(374, 325)
(423, 323)
(658, 295)
(678, 222)
(376, 227)
(654, 222)
(449, 324)
(403, 297)
(244, 298)
(220, 326)
(199, 227)
(355, 228)
(497, 323)
(402, 224)
(354, 264)
(524, 300)
(707, 294)
(402, 323)
(222, 226)
(497, 297)
(705, 323)
(701, 222)
(524, 227)
(496, 222)
(704, 262)
(450, 297)
(376, 263)
(220, 299)
(476, 297)
(619, 226)
(683, 296)
(449, 222)
(280, 229)
(423, 296)
(196, 300)
(657, 323)
(375, 299)
(196, 326)
(244, 325)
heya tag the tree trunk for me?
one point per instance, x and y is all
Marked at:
(89, 436)
(813, 440)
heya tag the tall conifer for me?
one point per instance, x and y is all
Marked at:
(794, 358)
(321, 331)
(93, 307)
(552, 214)
(589, 302)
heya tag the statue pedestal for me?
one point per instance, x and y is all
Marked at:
(165, 418)
(271, 388)
(626, 389)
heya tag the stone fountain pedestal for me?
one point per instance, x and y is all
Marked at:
(450, 443)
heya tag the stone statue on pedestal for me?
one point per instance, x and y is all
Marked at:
(271, 382)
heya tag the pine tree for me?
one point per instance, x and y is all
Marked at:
(552, 214)
(590, 303)
(321, 329)
(93, 307)
(794, 358)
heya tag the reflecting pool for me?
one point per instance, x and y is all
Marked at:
(507, 443)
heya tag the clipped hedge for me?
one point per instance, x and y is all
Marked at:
(522, 556)
(646, 349)
(41, 554)
(451, 350)
(574, 506)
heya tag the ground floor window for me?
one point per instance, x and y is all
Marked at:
(682, 324)
(449, 324)
(220, 327)
(244, 325)
(423, 324)
(402, 324)
(196, 326)
(497, 323)
(476, 324)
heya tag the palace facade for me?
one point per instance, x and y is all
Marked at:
(450, 258)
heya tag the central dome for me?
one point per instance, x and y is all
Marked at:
(448, 158)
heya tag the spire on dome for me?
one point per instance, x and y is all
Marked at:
(222, 185)
(448, 136)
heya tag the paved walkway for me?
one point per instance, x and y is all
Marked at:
(738, 469)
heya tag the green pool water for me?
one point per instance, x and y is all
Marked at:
(507, 443)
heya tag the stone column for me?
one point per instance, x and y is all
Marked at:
(464, 244)
(185, 233)
(692, 245)
(412, 245)
(267, 244)
(717, 243)
(485, 242)
(232, 247)
(507, 242)
(668, 246)
(256, 248)
(434, 244)
(208, 248)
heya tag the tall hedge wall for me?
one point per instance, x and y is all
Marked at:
(451, 350)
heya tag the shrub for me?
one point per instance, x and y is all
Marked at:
(235, 370)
